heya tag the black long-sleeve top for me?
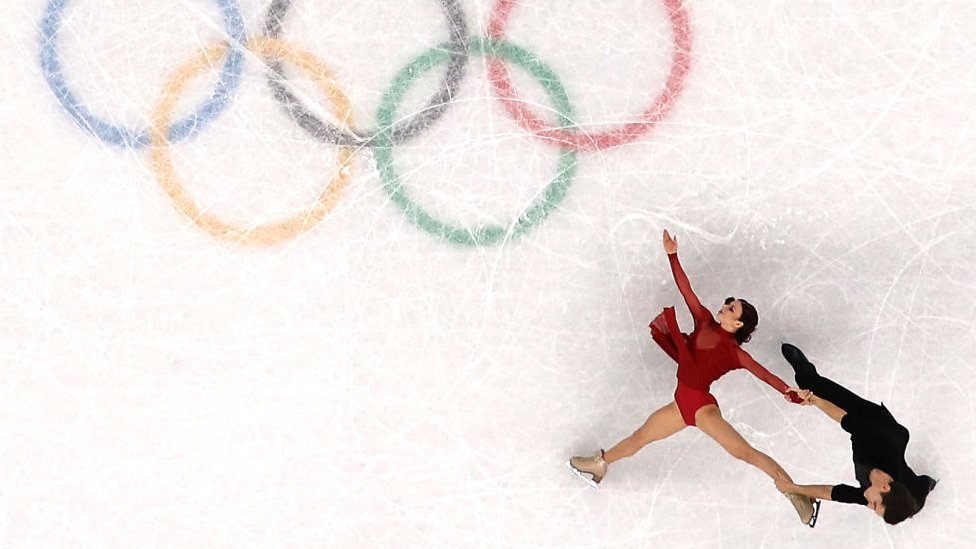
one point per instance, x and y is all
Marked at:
(878, 441)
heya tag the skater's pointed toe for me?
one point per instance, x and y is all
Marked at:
(793, 355)
(591, 469)
(789, 349)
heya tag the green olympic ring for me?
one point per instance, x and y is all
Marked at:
(535, 213)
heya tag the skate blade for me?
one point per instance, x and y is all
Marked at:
(816, 513)
(585, 476)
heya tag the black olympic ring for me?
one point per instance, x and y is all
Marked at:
(399, 132)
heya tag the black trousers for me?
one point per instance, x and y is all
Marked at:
(872, 425)
(808, 378)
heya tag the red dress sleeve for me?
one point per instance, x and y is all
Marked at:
(746, 361)
(698, 312)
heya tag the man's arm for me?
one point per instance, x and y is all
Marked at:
(841, 492)
(833, 411)
(818, 491)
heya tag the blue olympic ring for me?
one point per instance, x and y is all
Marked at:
(229, 79)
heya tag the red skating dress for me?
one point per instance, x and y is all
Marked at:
(704, 356)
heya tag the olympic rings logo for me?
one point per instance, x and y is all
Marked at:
(388, 132)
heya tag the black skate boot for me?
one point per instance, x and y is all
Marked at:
(797, 360)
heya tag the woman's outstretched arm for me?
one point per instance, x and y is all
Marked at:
(769, 378)
(699, 312)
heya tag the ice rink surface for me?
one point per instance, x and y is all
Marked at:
(236, 330)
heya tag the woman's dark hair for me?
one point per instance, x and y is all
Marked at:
(749, 319)
(898, 503)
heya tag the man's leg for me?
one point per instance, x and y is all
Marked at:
(841, 397)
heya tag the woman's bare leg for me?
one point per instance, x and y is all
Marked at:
(661, 424)
(710, 421)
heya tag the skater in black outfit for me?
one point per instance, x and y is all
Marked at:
(888, 486)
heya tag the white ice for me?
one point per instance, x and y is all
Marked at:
(366, 384)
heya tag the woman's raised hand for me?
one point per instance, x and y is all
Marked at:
(670, 243)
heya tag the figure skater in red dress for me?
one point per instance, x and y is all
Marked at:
(709, 352)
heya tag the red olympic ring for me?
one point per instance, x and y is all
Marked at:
(582, 141)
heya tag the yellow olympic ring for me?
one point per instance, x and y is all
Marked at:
(269, 233)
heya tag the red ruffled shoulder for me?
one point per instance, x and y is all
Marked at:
(665, 332)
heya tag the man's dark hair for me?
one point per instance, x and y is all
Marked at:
(898, 503)
(924, 485)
